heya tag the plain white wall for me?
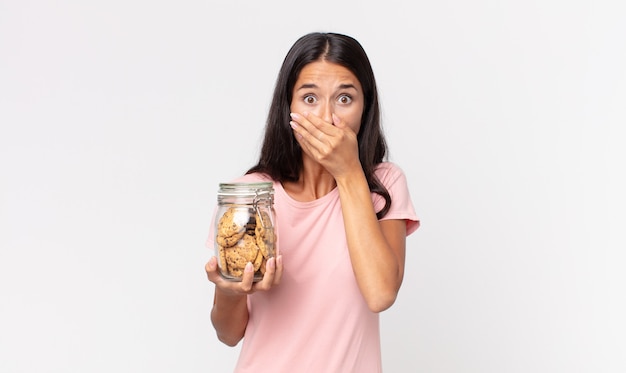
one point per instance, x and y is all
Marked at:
(118, 119)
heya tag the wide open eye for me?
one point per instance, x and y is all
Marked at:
(344, 99)
(310, 99)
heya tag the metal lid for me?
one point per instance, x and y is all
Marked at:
(246, 189)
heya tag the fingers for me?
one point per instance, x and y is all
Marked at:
(279, 270)
(212, 271)
(312, 128)
(268, 278)
(246, 279)
(337, 122)
(241, 287)
(273, 274)
(313, 134)
(279, 267)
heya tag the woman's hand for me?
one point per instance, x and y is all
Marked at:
(273, 273)
(333, 145)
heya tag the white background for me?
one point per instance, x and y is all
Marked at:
(119, 118)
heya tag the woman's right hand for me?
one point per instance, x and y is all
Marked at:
(272, 276)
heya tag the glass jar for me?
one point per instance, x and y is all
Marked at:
(244, 228)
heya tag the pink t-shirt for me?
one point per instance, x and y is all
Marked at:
(316, 320)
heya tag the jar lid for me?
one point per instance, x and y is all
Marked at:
(245, 189)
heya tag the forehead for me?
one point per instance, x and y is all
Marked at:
(326, 72)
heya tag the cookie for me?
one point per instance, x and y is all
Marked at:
(264, 233)
(231, 227)
(251, 224)
(243, 252)
(229, 241)
(258, 261)
(235, 272)
(222, 259)
(262, 269)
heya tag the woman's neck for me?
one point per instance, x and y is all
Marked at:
(314, 182)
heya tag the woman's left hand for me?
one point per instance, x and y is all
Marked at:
(333, 145)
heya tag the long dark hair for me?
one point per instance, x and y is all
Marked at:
(281, 155)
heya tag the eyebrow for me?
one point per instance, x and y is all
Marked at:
(341, 86)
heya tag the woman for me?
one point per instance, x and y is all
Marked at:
(343, 214)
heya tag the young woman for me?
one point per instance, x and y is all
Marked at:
(343, 213)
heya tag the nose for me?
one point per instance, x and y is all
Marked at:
(326, 112)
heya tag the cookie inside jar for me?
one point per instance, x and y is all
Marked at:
(244, 235)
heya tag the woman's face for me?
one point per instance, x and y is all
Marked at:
(324, 88)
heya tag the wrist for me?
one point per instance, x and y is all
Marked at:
(226, 297)
(351, 178)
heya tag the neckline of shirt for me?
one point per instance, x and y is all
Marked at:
(334, 193)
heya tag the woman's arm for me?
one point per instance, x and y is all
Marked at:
(229, 317)
(377, 248)
(230, 309)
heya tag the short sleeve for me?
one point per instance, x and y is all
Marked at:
(394, 179)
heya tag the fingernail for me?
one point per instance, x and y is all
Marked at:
(293, 124)
(249, 267)
(271, 264)
(294, 115)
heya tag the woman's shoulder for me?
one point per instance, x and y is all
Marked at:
(388, 170)
(255, 177)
